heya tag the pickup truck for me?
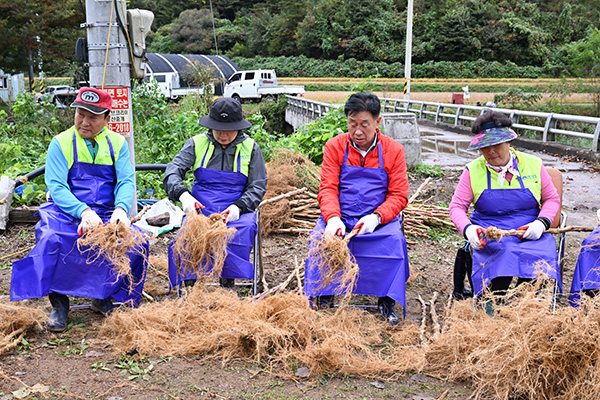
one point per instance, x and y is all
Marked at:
(257, 85)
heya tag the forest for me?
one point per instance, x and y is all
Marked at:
(552, 38)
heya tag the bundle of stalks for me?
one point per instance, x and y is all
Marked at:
(113, 242)
(280, 331)
(15, 321)
(201, 245)
(286, 208)
(524, 351)
(336, 265)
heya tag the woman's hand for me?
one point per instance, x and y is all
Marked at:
(476, 236)
(533, 231)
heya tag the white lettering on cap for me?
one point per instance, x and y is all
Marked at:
(90, 97)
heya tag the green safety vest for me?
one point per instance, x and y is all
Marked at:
(65, 139)
(530, 168)
(204, 145)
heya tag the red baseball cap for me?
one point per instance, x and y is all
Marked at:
(94, 100)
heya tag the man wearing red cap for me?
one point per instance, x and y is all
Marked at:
(90, 179)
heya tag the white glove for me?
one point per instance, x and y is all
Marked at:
(232, 212)
(189, 203)
(598, 216)
(119, 215)
(335, 226)
(534, 231)
(476, 236)
(89, 220)
(369, 223)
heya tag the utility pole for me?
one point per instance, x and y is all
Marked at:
(110, 65)
(408, 57)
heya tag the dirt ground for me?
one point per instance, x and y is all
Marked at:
(77, 364)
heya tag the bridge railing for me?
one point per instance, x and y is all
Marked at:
(546, 127)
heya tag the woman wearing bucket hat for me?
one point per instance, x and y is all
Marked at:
(230, 178)
(509, 190)
(90, 179)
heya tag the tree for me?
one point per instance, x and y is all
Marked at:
(56, 24)
(194, 30)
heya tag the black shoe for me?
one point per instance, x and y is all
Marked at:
(57, 321)
(386, 308)
(323, 302)
(227, 283)
(465, 294)
(104, 306)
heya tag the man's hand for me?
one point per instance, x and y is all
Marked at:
(119, 215)
(89, 221)
(533, 231)
(369, 223)
(189, 203)
(335, 227)
(232, 212)
(476, 236)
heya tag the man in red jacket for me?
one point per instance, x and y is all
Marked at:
(364, 187)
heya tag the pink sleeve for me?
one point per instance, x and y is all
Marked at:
(462, 199)
(550, 198)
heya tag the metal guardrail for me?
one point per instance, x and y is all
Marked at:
(547, 127)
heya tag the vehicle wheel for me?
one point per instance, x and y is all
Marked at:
(237, 97)
(271, 97)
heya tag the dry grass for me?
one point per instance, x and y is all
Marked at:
(113, 242)
(15, 321)
(201, 246)
(280, 331)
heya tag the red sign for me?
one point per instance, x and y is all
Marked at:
(120, 116)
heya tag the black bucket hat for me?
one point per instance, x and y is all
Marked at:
(225, 115)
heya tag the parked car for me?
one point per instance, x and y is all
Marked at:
(257, 85)
(60, 95)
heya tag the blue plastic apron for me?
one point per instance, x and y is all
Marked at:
(55, 263)
(511, 256)
(217, 190)
(587, 270)
(381, 255)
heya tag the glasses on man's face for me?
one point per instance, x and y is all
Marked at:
(362, 127)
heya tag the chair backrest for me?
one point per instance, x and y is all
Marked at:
(556, 176)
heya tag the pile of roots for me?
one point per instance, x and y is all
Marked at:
(15, 321)
(336, 265)
(293, 211)
(280, 331)
(524, 351)
(201, 245)
(113, 242)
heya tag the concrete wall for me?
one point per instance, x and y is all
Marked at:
(404, 129)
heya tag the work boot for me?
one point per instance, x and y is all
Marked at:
(57, 321)
(386, 308)
(465, 294)
(323, 302)
(227, 283)
(103, 306)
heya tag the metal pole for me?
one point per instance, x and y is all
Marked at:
(407, 59)
(212, 16)
(109, 57)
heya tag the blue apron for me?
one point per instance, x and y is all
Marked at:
(381, 255)
(587, 270)
(511, 256)
(217, 190)
(56, 265)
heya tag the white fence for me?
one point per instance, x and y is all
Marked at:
(546, 127)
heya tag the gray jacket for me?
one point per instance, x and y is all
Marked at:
(222, 160)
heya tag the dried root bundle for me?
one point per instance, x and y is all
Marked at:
(113, 242)
(280, 330)
(525, 351)
(14, 322)
(202, 245)
(337, 266)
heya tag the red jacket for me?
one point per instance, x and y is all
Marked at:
(394, 164)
